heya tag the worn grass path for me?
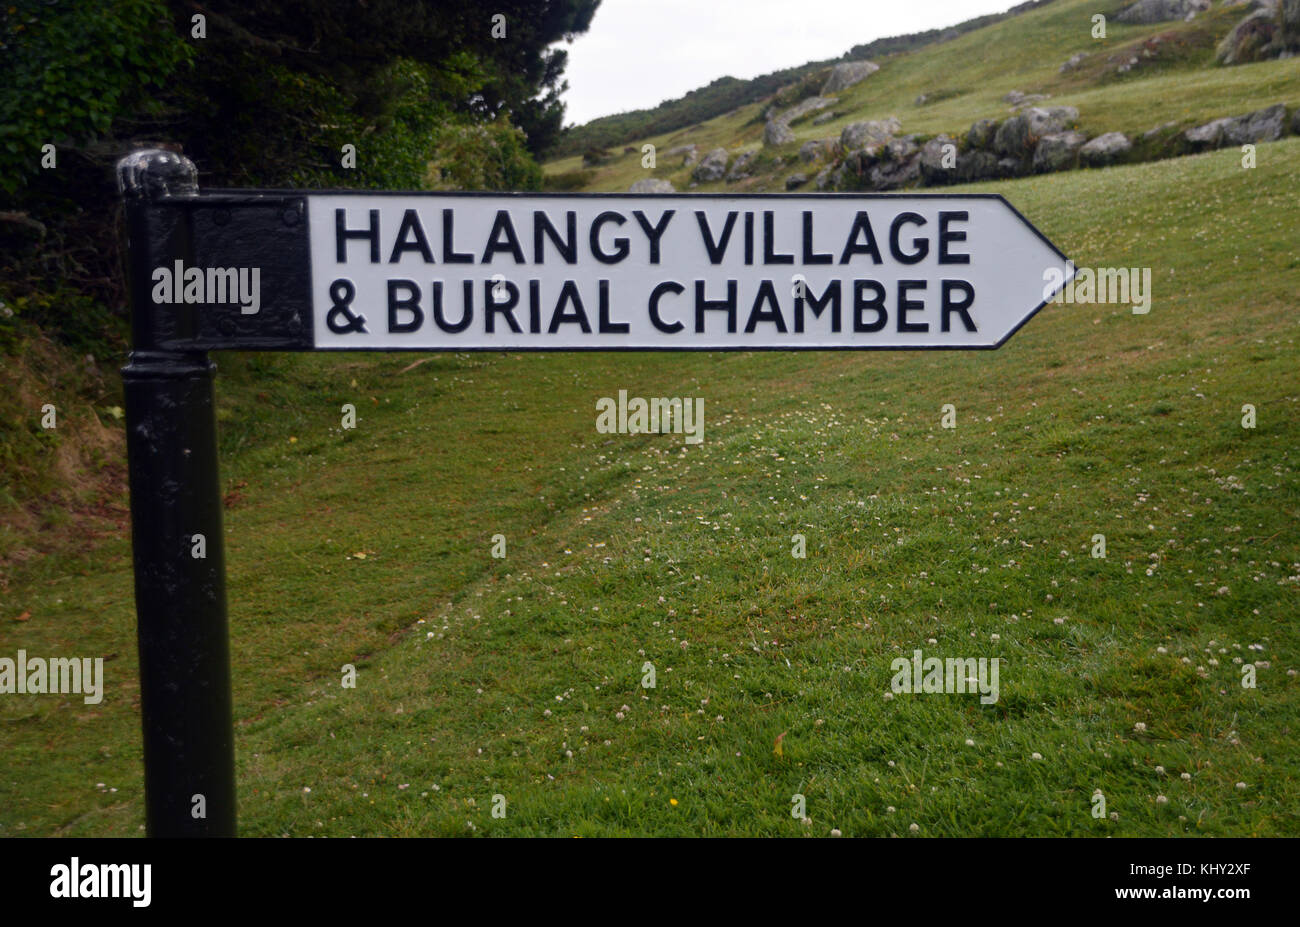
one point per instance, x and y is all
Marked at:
(482, 677)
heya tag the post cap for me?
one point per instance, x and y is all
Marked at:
(156, 172)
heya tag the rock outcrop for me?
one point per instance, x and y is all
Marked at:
(777, 130)
(1250, 40)
(938, 162)
(713, 167)
(876, 131)
(847, 74)
(1146, 12)
(1073, 62)
(980, 136)
(690, 154)
(1105, 149)
(1017, 136)
(803, 108)
(777, 133)
(740, 167)
(1058, 151)
(1263, 125)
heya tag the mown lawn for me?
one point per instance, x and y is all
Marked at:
(522, 677)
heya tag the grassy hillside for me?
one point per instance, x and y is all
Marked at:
(728, 93)
(968, 77)
(522, 677)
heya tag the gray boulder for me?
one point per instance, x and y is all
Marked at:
(740, 165)
(1209, 135)
(858, 134)
(823, 117)
(1058, 151)
(1043, 120)
(981, 134)
(795, 181)
(854, 172)
(777, 133)
(894, 173)
(1012, 138)
(651, 185)
(823, 178)
(713, 167)
(1073, 62)
(1252, 39)
(937, 169)
(1010, 167)
(1146, 12)
(1105, 149)
(1019, 134)
(1264, 125)
(890, 166)
(977, 165)
(847, 74)
(899, 149)
(803, 108)
(810, 151)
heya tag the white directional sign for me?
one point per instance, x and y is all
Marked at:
(678, 272)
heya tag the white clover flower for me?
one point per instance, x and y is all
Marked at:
(914, 827)
(1140, 727)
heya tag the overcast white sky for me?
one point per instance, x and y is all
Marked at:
(639, 53)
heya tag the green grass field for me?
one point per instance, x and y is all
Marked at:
(522, 676)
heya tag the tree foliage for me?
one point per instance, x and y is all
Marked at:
(445, 93)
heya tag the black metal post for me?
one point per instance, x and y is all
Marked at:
(176, 534)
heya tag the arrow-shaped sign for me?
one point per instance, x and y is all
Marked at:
(398, 271)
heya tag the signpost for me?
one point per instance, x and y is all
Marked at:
(293, 271)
